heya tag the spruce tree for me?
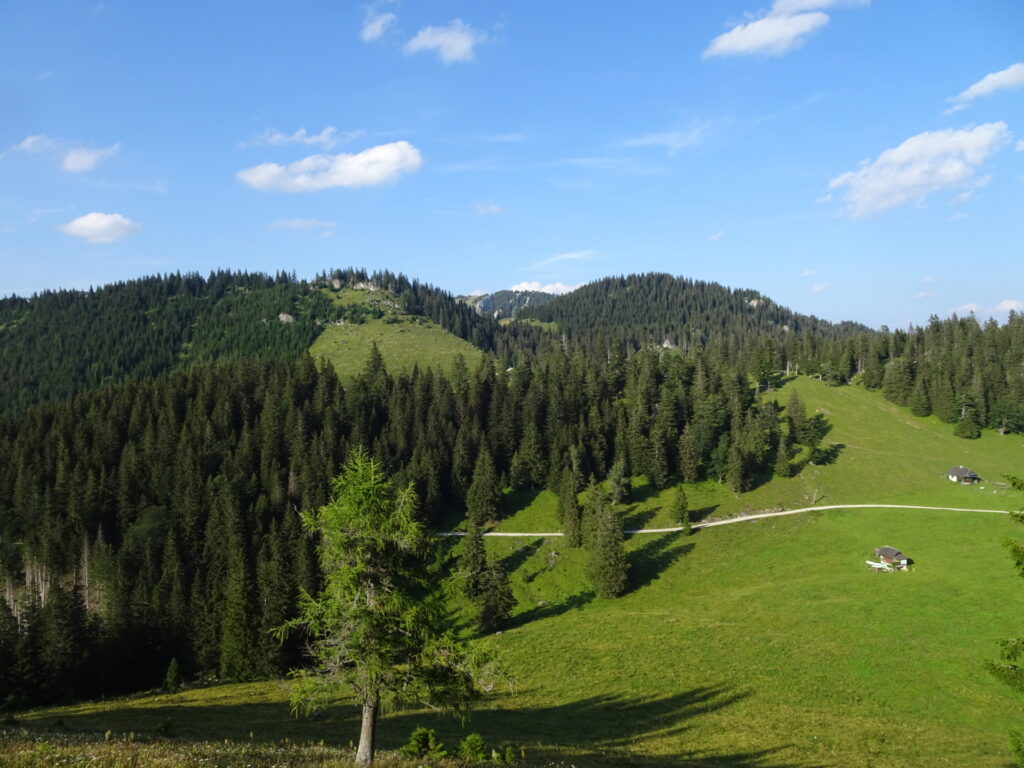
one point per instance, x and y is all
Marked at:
(607, 565)
(920, 404)
(689, 455)
(618, 483)
(569, 511)
(796, 418)
(473, 561)
(967, 427)
(680, 506)
(483, 499)
(782, 466)
(495, 599)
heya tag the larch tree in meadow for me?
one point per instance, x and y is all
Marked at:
(378, 625)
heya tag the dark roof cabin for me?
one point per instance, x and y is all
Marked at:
(962, 475)
(890, 555)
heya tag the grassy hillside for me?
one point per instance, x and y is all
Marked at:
(403, 340)
(767, 643)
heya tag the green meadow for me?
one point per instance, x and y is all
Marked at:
(404, 340)
(764, 643)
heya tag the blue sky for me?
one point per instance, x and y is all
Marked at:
(855, 160)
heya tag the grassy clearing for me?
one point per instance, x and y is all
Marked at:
(768, 643)
(763, 644)
(403, 340)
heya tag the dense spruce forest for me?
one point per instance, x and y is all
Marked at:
(159, 438)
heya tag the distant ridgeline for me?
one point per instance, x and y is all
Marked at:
(507, 304)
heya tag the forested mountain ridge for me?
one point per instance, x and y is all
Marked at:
(653, 308)
(57, 343)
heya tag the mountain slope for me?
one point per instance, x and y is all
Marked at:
(653, 308)
(505, 304)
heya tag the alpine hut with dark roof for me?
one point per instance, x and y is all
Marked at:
(963, 475)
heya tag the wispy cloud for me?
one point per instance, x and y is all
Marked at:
(1004, 80)
(375, 24)
(1008, 305)
(301, 224)
(328, 138)
(371, 167)
(924, 295)
(807, 273)
(925, 163)
(486, 208)
(930, 279)
(818, 287)
(672, 141)
(968, 309)
(717, 235)
(100, 227)
(560, 257)
(80, 160)
(35, 144)
(453, 42)
(558, 289)
(782, 28)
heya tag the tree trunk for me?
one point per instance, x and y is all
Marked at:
(368, 733)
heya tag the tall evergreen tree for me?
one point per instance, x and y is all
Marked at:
(495, 599)
(483, 499)
(607, 565)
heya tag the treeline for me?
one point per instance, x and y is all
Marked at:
(964, 372)
(168, 507)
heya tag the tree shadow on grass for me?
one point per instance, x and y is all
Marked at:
(549, 610)
(697, 515)
(650, 561)
(601, 731)
(514, 561)
(637, 518)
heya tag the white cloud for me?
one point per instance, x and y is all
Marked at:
(375, 25)
(925, 163)
(81, 160)
(486, 208)
(1006, 79)
(968, 308)
(560, 257)
(301, 224)
(807, 273)
(1007, 305)
(101, 227)
(772, 35)
(454, 42)
(33, 144)
(673, 141)
(958, 216)
(924, 295)
(328, 138)
(717, 235)
(556, 288)
(373, 166)
(1020, 146)
(818, 287)
(785, 26)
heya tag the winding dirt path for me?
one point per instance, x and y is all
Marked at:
(743, 519)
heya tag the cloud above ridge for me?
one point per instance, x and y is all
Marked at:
(369, 168)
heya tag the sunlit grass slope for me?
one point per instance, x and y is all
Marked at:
(403, 340)
(765, 643)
